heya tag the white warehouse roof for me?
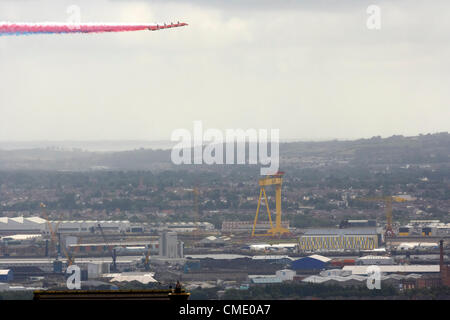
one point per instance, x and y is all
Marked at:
(320, 258)
(374, 258)
(134, 276)
(362, 270)
(270, 257)
(21, 223)
(4, 272)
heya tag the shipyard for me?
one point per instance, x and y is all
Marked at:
(36, 251)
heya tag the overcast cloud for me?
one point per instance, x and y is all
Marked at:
(310, 68)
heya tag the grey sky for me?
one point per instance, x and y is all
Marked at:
(310, 68)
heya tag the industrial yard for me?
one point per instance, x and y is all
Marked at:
(37, 253)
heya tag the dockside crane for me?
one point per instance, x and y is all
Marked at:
(147, 259)
(277, 181)
(49, 225)
(388, 200)
(112, 251)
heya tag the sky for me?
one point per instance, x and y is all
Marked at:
(310, 68)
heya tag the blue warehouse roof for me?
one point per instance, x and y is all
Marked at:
(314, 262)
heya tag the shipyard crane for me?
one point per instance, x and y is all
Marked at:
(389, 232)
(112, 252)
(147, 259)
(68, 254)
(70, 258)
(277, 181)
(49, 225)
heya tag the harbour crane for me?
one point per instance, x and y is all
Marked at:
(112, 252)
(388, 200)
(147, 259)
(52, 231)
(68, 254)
(277, 181)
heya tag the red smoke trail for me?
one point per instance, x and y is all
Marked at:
(12, 28)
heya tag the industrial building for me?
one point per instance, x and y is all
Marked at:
(46, 265)
(442, 278)
(179, 226)
(357, 224)
(310, 263)
(420, 246)
(264, 279)
(170, 247)
(171, 250)
(273, 259)
(21, 238)
(136, 247)
(37, 225)
(286, 274)
(213, 241)
(141, 277)
(247, 226)
(279, 277)
(361, 280)
(273, 247)
(88, 226)
(375, 260)
(420, 269)
(425, 228)
(22, 225)
(350, 239)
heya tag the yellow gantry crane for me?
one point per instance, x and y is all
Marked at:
(388, 205)
(277, 181)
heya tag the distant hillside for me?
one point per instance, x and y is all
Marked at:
(430, 148)
(423, 149)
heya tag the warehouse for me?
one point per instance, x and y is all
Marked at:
(137, 247)
(46, 264)
(375, 260)
(273, 259)
(37, 225)
(264, 279)
(419, 269)
(88, 226)
(213, 241)
(313, 262)
(351, 280)
(352, 239)
(17, 225)
(179, 226)
(285, 274)
(279, 277)
(247, 226)
(425, 228)
(360, 280)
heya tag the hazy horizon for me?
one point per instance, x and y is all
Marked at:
(127, 145)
